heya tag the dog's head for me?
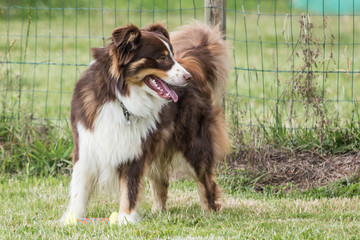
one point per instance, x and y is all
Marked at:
(144, 57)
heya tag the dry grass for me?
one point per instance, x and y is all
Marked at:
(303, 169)
(260, 206)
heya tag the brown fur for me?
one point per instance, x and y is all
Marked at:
(200, 132)
(202, 46)
(193, 128)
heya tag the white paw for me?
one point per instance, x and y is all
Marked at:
(63, 218)
(129, 218)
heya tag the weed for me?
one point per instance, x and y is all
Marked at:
(320, 130)
(30, 149)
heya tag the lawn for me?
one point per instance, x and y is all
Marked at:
(47, 47)
(32, 206)
(279, 98)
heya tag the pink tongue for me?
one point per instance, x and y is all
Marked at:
(172, 93)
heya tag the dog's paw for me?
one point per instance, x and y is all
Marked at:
(64, 218)
(69, 219)
(128, 218)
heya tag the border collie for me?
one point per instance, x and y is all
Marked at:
(146, 106)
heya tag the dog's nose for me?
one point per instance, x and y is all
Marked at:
(186, 76)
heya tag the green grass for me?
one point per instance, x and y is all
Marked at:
(45, 52)
(330, 140)
(59, 42)
(35, 139)
(30, 149)
(31, 208)
(34, 183)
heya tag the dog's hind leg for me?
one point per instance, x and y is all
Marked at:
(203, 166)
(159, 183)
(158, 175)
(207, 147)
(208, 190)
(131, 180)
(159, 188)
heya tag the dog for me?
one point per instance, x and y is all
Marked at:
(147, 106)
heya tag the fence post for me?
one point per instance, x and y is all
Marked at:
(215, 14)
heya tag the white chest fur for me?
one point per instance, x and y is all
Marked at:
(112, 142)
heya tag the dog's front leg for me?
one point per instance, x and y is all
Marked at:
(81, 187)
(131, 181)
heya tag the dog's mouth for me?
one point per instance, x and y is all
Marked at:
(162, 89)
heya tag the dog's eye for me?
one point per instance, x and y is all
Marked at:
(161, 59)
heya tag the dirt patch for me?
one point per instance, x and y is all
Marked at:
(303, 169)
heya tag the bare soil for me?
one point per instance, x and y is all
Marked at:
(303, 169)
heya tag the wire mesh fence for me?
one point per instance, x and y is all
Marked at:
(295, 63)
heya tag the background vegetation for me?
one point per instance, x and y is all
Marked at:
(292, 110)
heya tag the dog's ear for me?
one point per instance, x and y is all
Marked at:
(127, 37)
(126, 41)
(158, 28)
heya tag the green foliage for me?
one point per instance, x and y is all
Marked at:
(260, 112)
(347, 187)
(329, 140)
(30, 149)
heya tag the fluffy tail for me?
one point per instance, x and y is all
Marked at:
(203, 49)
